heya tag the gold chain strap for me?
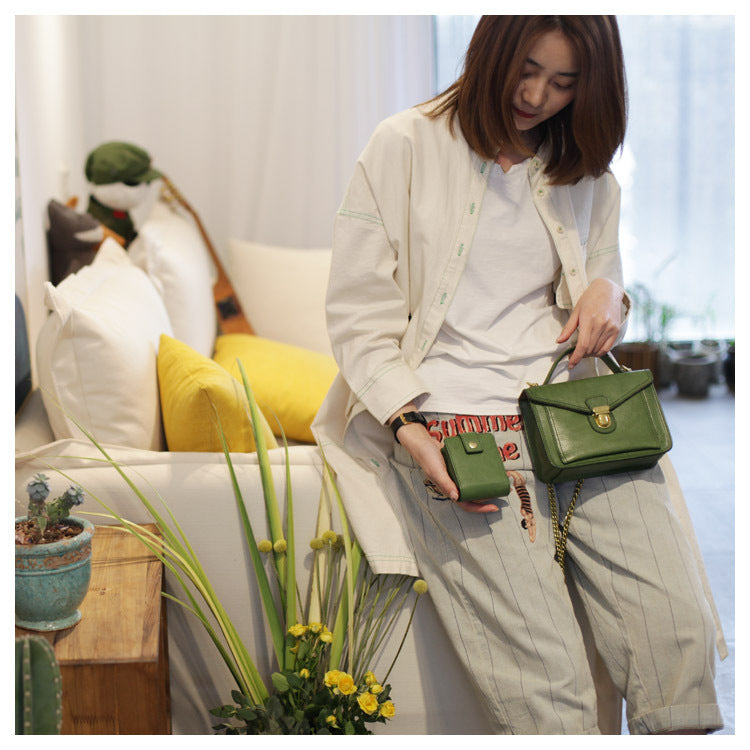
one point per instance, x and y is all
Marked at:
(561, 535)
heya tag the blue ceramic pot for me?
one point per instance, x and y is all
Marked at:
(52, 580)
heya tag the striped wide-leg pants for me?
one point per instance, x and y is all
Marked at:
(504, 603)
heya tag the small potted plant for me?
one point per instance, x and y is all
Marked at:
(53, 559)
(652, 319)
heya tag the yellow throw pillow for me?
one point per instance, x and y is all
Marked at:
(289, 382)
(188, 385)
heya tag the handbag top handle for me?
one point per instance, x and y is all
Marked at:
(607, 358)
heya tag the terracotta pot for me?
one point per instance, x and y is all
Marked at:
(52, 580)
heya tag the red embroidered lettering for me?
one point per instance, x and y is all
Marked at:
(514, 422)
(449, 427)
(509, 452)
(469, 423)
(496, 423)
(434, 430)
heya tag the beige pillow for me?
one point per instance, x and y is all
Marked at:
(282, 291)
(170, 249)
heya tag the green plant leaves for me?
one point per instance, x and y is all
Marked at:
(295, 700)
(280, 683)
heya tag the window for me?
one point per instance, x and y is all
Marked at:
(676, 168)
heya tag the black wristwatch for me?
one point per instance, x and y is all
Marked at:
(405, 418)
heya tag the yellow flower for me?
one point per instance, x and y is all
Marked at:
(331, 719)
(315, 627)
(329, 537)
(346, 684)
(304, 673)
(368, 703)
(279, 545)
(420, 586)
(388, 710)
(298, 630)
(264, 545)
(316, 543)
(325, 636)
(376, 689)
(331, 678)
(370, 678)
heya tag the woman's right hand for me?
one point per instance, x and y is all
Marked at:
(425, 450)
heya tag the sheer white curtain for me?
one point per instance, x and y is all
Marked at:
(677, 168)
(257, 119)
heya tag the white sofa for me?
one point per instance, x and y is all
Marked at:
(429, 689)
(282, 292)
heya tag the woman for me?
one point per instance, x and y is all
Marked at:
(477, 239)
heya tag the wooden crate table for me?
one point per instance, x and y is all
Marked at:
(113, 662)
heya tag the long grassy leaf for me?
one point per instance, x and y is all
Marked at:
(351, 562)
(241, 665)
(323, 523)
(275, 625)
(344, 628)
(269, 489)
(291, 572)
(188, 562)
(193, 607)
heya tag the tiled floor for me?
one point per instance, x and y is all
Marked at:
(703, 456)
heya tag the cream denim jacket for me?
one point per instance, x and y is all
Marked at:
(402, 236)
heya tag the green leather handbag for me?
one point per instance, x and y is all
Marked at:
(594, 426)
(475, 465)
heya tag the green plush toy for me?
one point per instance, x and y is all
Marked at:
(119, 173)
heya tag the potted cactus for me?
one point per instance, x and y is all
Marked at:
(53, 559)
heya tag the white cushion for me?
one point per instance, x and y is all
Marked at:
(170, 249)
(282, 291)
(96, 352)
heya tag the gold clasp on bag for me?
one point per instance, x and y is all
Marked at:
(601, 416)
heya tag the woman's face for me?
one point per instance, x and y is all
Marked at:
(548, 81)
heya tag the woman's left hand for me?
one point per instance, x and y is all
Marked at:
(598, 318)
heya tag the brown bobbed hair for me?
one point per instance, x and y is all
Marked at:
(581, 139)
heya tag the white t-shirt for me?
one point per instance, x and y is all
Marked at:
(501, 328)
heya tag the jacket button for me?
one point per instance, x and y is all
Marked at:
(572, 271)
(540, 192)
(560, 229)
